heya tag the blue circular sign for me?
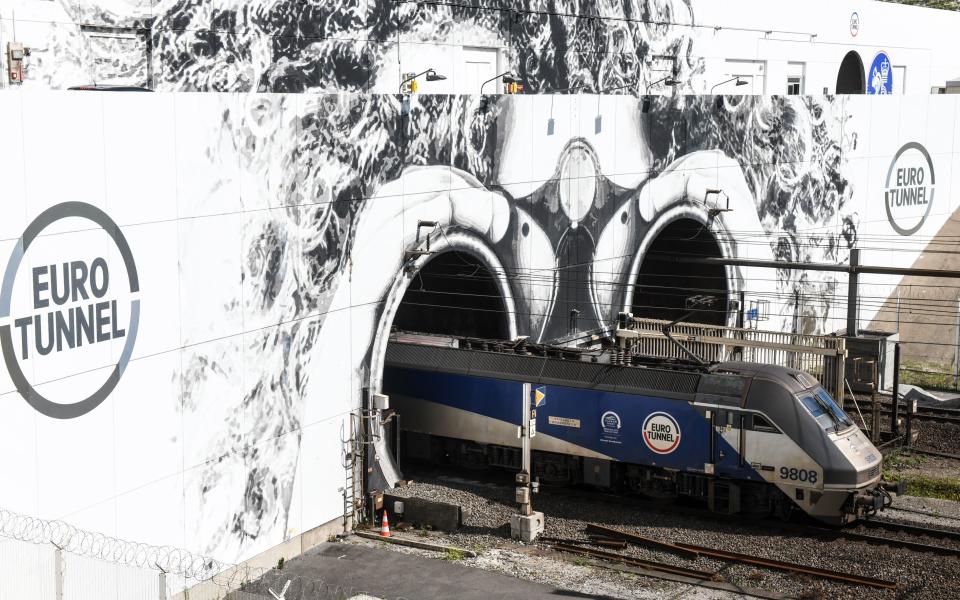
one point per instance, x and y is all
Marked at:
(880, 76)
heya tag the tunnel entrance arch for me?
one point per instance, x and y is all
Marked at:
(453, 294)
(661, 287)
(851, 78)
(473, 281)
(462, 245)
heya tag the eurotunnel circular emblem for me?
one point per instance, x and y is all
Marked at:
(909, 191)
(610, 428)
(661, 433)
(71, 307)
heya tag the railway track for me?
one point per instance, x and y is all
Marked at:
(943, 534)
(818, 531)
(933, 453)
(810, 530)
(925, 513)
(693, 550)
(892, 543)
(939, 416)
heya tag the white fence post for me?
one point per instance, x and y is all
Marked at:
(58, 573)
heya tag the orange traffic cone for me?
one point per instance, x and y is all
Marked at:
(385, 526)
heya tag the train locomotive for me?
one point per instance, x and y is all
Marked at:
(743, 437)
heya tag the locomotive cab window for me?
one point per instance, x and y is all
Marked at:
(760, 423)
(823, 408)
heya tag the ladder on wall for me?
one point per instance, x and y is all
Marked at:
(364, 431)
(352, 461)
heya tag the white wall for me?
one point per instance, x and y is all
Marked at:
(175, 454)
(230, 398)
(818, 33)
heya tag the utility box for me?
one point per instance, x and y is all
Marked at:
(16, 54)
(870, 346)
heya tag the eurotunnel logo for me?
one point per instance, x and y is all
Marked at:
(911, 184)
(63, 308)
(610, 427)
(661, 433)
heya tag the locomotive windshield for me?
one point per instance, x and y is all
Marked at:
(823, 408)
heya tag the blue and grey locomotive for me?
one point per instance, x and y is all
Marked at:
(744, 437)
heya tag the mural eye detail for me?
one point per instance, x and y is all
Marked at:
(525, 230)
(578, 184)
(623, 217)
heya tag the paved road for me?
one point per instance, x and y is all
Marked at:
(342, 571)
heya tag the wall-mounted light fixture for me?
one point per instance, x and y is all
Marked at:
(668, 80)
(409, 86)
(507, 77)
(737, 79)
(411, 78)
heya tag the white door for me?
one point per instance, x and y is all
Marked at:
(899, 79)
(478, 65)
(754, 72)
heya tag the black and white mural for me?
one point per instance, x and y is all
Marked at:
(281, 236)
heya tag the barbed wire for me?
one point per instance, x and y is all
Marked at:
(92, 544)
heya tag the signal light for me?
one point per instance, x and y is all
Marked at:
(514, 88)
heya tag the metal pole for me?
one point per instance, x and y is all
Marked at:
(895, 413)
(956, 352)
(853, 282)
(898, 310)
(526, 507)
(911, 406)
(875, 401)
(58, 573)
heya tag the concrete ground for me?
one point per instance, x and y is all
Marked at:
(341, 571)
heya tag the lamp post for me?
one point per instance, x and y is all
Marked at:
(431, 74)
(737, 79)
(507, 78)
(405, 101)
(668, 80)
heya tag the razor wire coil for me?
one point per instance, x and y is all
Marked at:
(91, 544)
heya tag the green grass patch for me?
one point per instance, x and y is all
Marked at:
(927, 375)
(454, 554)
(945, 488)
(894, 465)
(899, 461)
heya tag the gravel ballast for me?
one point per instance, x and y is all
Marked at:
(487, 531)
